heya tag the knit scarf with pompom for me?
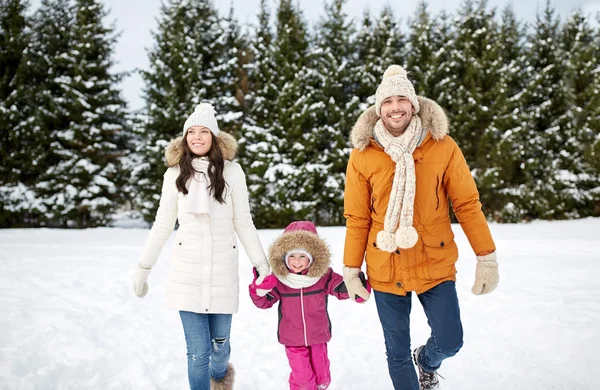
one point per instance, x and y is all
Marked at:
(397, 229)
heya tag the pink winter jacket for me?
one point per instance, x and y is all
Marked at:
(303, 317)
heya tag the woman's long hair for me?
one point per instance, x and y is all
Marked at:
(215, 169)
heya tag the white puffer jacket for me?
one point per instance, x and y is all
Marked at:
(203, 268)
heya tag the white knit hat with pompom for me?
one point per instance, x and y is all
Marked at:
(395, 83)
(203, 115)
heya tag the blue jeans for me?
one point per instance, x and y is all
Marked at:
(208, 348)
(443, 315)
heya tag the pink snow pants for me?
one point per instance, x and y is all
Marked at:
(310, 367)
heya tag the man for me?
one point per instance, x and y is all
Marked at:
(403, 170)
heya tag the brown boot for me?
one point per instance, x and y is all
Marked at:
(225, 383)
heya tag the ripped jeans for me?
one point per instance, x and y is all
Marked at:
(208, 348)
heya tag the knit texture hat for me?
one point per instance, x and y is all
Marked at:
(395, 83)
(203, 115)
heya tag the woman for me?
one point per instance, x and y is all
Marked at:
(206, 192)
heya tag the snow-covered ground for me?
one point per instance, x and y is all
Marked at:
(68, 318)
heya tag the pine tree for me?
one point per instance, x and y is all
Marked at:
(580, 128)
(45, 108)
(333, 114)
(509, 140)
(421, 58)
(232, 78)
(380, 44)
(189, 46)
(256, 142)
(545, 108)
(287, 197)
(82, 187)
(14, 38)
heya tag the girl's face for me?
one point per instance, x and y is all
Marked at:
(297, 262)
(199, 140)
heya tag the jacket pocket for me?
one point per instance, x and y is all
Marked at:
(185, 252)
(380, 264)
(441, 254)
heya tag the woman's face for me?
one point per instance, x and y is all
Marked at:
(199, 140)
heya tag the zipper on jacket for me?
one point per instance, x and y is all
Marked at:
(303, 319)
(437, 195)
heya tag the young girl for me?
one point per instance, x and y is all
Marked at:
(207, 194)
(301, 282)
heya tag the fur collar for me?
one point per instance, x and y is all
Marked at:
(433, 117)
(174, 150)
(313, 244)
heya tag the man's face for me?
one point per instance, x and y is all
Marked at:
(396, 113)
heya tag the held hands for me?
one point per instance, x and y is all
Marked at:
(267, 283)
(486, 274)
(354, 284)
(365, 284)
(139, 280)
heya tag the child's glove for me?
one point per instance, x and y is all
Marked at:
(486, 274)
(354, 284)
(139, 280)
(267, 284)
(365, 284)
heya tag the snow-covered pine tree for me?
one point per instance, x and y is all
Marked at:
(422, 50)
(14, 38)
(44, 107)
(232, 77)
(189, 45)
(332, 115)
(380, 43)
(364, 62)
(580, 128)
(475, 65)
(443, 81)
(545, 104)
(286, 123)
(82, 186)
(256, 142)
(503, 174)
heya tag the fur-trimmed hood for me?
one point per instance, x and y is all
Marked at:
(312, 243)
(432, 115)
(174, 150)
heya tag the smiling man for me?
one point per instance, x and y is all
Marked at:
(401, 175)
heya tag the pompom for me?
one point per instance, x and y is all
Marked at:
(406, 237)
(394, 70)
(386, 242)
(204, 107)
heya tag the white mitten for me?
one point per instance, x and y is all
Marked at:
(139, 280)
(486, 274)
(263, 271)
(354, 285)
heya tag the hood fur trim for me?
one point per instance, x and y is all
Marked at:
(316, 246)
(228, 145)
(432, 115)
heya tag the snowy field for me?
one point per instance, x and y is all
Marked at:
(68, 318)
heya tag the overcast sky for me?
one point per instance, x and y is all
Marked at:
(136, 18)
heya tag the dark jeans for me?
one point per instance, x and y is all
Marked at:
(443, 315)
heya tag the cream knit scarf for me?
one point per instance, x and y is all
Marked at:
(198, 194)
(397, 228)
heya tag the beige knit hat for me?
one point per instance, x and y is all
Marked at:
(203, 115)
(395, 83)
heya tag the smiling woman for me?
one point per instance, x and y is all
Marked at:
(206, 192)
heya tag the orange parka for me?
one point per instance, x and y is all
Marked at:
(442, 175)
